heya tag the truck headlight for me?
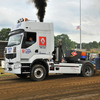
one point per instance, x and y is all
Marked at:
(17, 66)
(5, 51)
(14, 49)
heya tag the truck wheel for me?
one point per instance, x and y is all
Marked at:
(22, 75)
(38, 73)
(88, 70)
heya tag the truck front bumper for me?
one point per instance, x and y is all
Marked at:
(13, 68)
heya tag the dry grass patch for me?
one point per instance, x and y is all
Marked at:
(2, 73)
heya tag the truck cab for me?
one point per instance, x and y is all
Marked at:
(22, 53)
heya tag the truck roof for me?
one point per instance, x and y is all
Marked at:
(32, 25)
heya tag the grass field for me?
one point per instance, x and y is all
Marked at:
(5, 74)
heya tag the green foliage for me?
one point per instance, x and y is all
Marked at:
(97, 51)
(66, 42)
(4, 34)
(90, 45)
(88, 48)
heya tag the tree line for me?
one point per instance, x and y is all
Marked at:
(4, 34)
(90, 45)
(69, 44)
(66, 42)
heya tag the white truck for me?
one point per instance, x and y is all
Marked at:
(24, 57)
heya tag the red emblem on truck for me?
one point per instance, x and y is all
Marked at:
(23, 50)
(42, 41)
(74, 53)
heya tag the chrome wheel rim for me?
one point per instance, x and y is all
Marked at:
(88, 71)
(38, 73)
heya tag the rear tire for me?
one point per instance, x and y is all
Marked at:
(38, 73)
(22, 75)
(88, 70)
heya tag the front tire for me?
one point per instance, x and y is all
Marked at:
(38, 73)
(87, 70)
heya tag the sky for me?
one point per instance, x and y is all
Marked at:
(65, 15)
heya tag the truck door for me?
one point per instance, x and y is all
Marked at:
(29, 45)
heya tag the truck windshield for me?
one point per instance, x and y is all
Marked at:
(14, 40)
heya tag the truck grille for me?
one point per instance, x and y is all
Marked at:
(10, 56)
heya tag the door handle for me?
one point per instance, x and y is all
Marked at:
(36, 51)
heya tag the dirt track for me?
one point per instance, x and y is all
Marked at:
(55, 87)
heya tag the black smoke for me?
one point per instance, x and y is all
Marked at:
(41, 6)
